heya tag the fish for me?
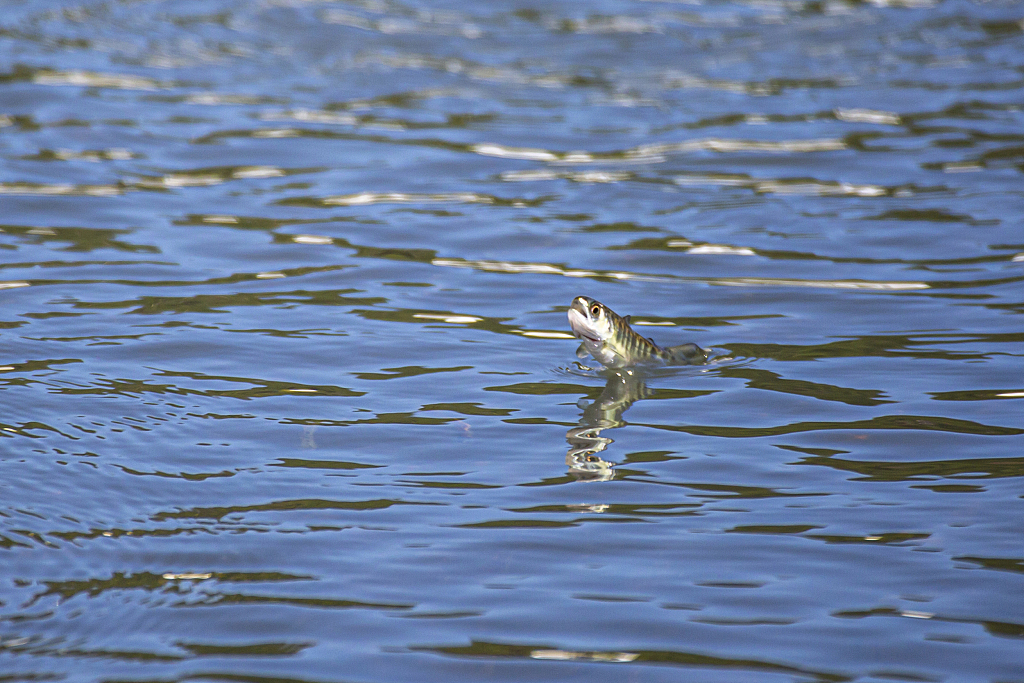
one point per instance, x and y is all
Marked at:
(608, 337)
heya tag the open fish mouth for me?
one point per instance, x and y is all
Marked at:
(578, 323)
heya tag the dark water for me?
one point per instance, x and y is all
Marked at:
(288, 393)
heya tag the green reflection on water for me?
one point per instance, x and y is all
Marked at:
(997, 628)
(771, 528)
(763, 379)
(638, 510)
(80, 239)
(322, 464)
(316, 603)
(520, 524)
(978, 395)
(998, 563)
(478, 648)
(468, 409)
(895, 538)
(284, 506)
(976, 468)
(253, 649)
(186, 476)
(861, 347)
(262, 389)
(68, 589)
(222, 303)
(884, 422)
(543, 389)
(407, 371)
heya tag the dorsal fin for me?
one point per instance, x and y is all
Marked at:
(627, 318)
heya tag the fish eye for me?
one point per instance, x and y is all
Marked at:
(595, 310)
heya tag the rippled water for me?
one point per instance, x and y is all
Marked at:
(288, 388)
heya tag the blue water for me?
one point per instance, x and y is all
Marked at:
(289, 393)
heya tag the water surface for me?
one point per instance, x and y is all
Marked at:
(289, 392)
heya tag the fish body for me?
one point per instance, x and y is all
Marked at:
(608, 337)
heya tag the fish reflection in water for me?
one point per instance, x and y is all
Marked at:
(610, 340)
(623, 388)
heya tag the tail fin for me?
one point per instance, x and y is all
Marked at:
(690, 354)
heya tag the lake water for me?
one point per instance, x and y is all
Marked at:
(289, 394)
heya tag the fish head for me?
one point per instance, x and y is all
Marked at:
(591, 322)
